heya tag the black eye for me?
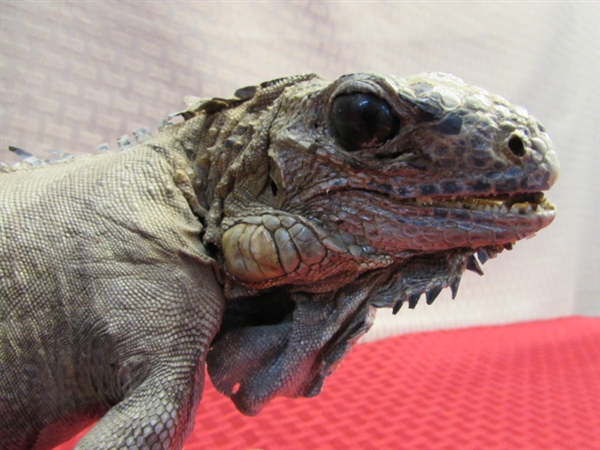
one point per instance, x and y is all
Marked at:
(362, 121)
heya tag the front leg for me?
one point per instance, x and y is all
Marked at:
(153, 373)
(158, 414)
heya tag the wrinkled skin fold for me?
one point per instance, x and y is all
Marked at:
(283, 343)
(291, 357)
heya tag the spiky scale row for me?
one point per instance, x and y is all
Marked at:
(471, 263)
(140, 135)
(123, 142)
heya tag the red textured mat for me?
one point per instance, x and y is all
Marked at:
(533, 385)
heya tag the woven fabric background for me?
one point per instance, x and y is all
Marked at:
(529, 386)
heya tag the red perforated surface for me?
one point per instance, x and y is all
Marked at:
(532, 385)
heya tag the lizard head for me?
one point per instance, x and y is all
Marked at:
(363, 192)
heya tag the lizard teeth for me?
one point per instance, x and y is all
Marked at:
(424, 201)
(488, 205)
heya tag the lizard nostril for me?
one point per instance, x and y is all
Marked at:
(515, 145)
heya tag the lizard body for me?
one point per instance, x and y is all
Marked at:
(256, 236)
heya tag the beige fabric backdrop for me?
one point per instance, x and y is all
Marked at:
(76, 74)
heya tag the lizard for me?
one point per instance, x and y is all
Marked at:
(254, 236)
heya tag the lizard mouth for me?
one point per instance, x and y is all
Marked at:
(526, 204)
(394, 225)
(520, 203)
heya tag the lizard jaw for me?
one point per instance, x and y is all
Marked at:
(263, 251)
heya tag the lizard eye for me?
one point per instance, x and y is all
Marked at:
(362, 120)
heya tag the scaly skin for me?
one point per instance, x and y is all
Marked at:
(270, 224)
